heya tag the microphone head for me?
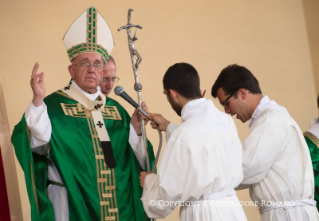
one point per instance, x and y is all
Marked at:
(118, 90)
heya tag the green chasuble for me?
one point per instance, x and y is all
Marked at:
(95, 191)
(313, 145)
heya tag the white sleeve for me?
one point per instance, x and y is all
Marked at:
(136, 143)
(182, 177)
(167, 186)
(152, 200)
(260, 150)
(137, 146)
(39, 124)
(169, 130)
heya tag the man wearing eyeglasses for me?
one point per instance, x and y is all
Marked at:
(109, 78)
(107, 82)
(79, 149)
(276, 161)
(195, 170)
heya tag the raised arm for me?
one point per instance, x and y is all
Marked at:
(36, 114)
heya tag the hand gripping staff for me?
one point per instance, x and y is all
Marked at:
(136, 60)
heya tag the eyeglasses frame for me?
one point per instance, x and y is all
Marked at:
(232, 94)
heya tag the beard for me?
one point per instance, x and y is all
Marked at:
(177, 109)
(175, 106)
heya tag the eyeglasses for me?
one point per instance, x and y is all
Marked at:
(86, 65)
(224, 103)
(113, 80)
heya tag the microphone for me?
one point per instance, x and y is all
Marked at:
(119, 91)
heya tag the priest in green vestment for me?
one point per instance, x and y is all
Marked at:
(312, 139)
(80, 151)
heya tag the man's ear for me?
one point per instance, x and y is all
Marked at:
(173, 94)
(242, 93)
(71, 71)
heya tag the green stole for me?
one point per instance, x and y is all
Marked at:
(313, 145)
(95, 191)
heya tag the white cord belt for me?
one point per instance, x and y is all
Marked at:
(286, 205)
(220, 195)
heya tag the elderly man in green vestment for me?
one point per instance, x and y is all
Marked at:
(80, 150)
(312, 139)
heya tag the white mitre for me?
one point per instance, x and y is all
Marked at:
(89, 33)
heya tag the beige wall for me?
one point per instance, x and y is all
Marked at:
(311, 9)
(269, 37)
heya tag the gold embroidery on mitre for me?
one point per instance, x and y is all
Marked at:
(91, 38)
(88, 47)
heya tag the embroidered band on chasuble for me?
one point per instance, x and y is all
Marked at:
(89, 33)
(104, 139)
(95, 112)
(95, 108)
